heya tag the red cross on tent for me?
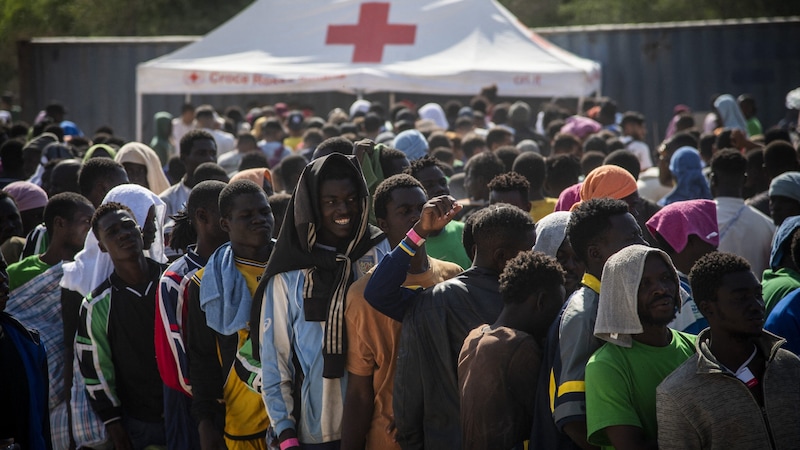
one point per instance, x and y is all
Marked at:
(371, 33)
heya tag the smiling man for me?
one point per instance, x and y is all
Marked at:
(324, 245)
(114, 345)
(640, 296)
(740, 390)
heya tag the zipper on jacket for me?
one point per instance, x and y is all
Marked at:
(769, 429)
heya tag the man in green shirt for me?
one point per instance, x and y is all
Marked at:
(67, 218)
(640, 296)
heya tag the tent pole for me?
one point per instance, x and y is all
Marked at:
(580, 104)
(391, 99)
(139, 117)
(187, 98)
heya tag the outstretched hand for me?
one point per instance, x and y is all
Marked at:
(436, 214)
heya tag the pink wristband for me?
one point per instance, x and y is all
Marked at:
(415, 238)
(289, 443)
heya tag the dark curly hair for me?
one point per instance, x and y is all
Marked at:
(527, 273)
(590, 221)
(418, 165)
(510, 182)
(707, 273)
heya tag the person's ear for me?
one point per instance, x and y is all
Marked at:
(59, 222)
(593, 251)
(382, 224)
(706, 308)
(225, 224)
(201, 216)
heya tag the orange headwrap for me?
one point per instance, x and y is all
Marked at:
(257, 176)
(607, 182)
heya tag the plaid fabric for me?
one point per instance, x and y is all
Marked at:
(37, 305)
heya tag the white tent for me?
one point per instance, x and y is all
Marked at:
(444, 47)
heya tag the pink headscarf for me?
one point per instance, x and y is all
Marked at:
(27, 195)
(677, 221)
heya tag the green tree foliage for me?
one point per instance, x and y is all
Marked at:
(547, 13)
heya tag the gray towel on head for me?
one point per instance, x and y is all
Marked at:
(617, 309)
(550, 232)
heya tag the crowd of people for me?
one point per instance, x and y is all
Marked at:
(477, 276)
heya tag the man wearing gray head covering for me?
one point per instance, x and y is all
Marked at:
(552, 240)
(784, 197)
(640, 296)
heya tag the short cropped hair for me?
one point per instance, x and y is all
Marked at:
(729, 162)
(501, 226)
(590, 221)
(62, 205)
(94, 170)
(188, 140)
(234, 190)
(624, 159)
(706, 275)
(531, 166)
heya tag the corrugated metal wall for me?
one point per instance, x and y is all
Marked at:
(651, 68)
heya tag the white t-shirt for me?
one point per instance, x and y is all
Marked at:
(641, 150)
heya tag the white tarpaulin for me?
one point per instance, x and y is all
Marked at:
(446, 47)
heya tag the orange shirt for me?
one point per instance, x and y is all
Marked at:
(373, 340)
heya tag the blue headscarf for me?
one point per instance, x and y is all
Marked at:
(691, 184)
(784, 233)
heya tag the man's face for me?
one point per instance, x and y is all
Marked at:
(10, 220)
(149, 228)
(658, 298)
(781, 207)
(739, 307)
(572, 266)
(624, 232)
(511, 197)
(78, 226)
(402, 212)
(635, 130)
(340, 211)
(120, 236)
(203, 151)
(105, 184)
(137, 174)
(434, 181)
(250, 222)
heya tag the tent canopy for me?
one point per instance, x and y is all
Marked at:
(445, 47)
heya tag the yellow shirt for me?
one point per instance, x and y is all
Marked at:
(541, 208)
